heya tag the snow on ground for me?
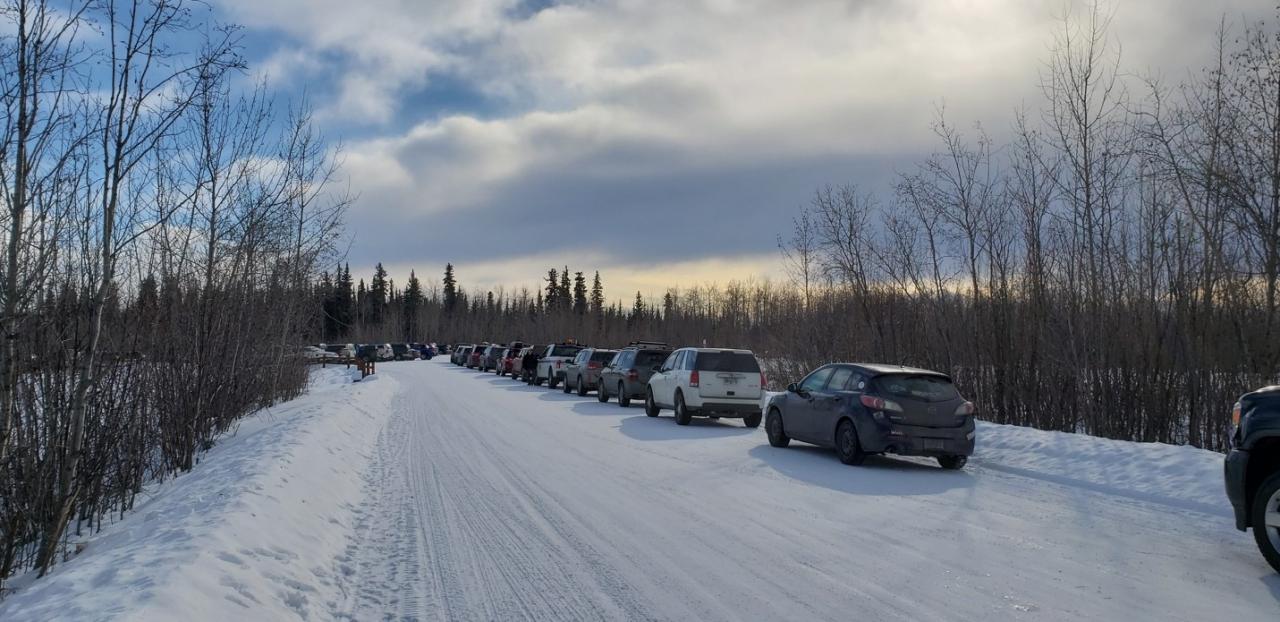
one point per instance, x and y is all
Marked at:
(254, 528)
(435, 492)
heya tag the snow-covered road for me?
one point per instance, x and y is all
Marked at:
(495, 500)
(441, 493)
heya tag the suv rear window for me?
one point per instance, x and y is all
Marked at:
(923, 388)
(602, 356)
(565, 350)
(727, 361)
(649, 358)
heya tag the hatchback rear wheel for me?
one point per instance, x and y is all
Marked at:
(953, 463)
(602, 394)
(847, 445)
(624, 398)
(1266, 520)
(582, 387)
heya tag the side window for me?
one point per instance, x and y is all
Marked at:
(857, 383)
(839, 379)
(690, 357)
(668, 364)
(817, 380)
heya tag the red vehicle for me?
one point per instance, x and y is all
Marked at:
(476, 357)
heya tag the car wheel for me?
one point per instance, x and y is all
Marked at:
(537, 382)
(1266, 519)
(682, 413)
(773, 426)
(624, 398)
(602, 394)
(582, 387)
(752, 420)
(566, 388)
(650, 406)
(847, 444)
(953, 463)
(552, 381)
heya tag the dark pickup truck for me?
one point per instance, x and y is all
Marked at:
(1252, 469)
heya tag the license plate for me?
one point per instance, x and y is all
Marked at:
(934, 443)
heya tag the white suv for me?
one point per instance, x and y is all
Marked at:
(708, 382)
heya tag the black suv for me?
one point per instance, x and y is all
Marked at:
(627, 375)
(1252, 469)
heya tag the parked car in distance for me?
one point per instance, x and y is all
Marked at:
(552, 362)
(403, 352)
(425, 351)
(489, 360)
(476, 358)
(1252, 469)
(526, 364)
(368, 352)
(316, 354)
(863, 409)
(509, 357)
(583, 373)
(344, 351)
(627, 375)
(460, 354)
(707, 382)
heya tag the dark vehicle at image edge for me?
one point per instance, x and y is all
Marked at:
(861, 409)
(1252, 469)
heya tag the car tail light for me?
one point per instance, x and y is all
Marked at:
(693, 379)
(593, 365)
(764, 381)
(877, 403)
(633, 375)
(966, 409)
(559, 364)
(1235, 414)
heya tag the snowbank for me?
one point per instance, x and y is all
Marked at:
(1181, 476)
(252, 530)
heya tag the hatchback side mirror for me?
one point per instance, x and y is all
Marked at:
(656, 369)
(793, 388)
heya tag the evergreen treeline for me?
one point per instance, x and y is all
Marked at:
(159, 236)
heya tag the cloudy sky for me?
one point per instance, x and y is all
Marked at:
(661, 142)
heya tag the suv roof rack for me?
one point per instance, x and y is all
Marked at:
(649, 344)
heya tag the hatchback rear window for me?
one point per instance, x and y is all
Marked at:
(727, 361)
(602, 357)
(923, 388)
(645, 360)
(565, 350)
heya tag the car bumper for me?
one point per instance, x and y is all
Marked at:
(910, 440)
(727, 408)
(1234, 470)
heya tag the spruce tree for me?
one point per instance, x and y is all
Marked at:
(564, 295)
(579, 294)
(450, 290)
(411, 304)
(597, 295)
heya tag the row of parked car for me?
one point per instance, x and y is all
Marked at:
(857, 409)
(380, 352)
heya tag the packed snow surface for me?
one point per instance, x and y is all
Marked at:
(433, 492)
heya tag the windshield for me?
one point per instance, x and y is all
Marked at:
(728, 361)
(922, 388)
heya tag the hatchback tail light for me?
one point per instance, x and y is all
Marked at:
(966, 409)
(593, 365)
(764, 381)
(633, 375)
(693, 379)
(878, 403)
(1235, 414)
